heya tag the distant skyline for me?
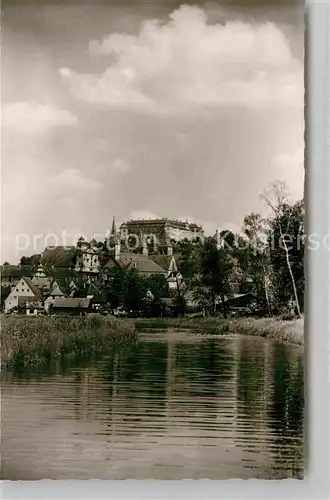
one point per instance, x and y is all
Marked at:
(147, 109)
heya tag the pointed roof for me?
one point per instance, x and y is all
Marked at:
(34, 289)
(164, 261)
(56, 290)
(113, 227)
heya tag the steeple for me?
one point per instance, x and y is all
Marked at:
(114, 240)
(113, 228)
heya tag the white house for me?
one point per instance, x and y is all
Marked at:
(25, 291)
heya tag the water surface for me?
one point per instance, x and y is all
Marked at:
(171, 406)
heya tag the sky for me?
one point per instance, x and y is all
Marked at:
(145, 108)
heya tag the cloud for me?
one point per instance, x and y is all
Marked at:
(142, 214)
(68, 189)
(72, 179)
(120, 165)
(186, 63)
(33, 118)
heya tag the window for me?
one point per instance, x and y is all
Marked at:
(31, 311)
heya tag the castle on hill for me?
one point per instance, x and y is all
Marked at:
(144, 244)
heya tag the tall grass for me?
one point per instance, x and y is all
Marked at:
(291, 331)
(28, 341)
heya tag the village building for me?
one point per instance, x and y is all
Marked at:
(169, 264)
(142, 263)
(71, 306)
(54, 292)
(41, 280)
(87, 259)
(23, 294)
(11, 274)
(146, 264)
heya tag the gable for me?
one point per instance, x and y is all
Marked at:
(22, 288)
(173, 265)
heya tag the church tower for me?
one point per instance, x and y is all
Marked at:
(114, 240)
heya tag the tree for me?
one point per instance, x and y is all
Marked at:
(32, 261)
(216, 273)
(253, 255)
(188, 269)
(58, 257)
(286, 224)
(158, 287)
(5, 291)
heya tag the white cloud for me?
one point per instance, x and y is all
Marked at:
(33, 118)
(72, 179)
(142, 214)
(185, 63)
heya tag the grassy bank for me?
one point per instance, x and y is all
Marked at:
(29, 341)
(284, 330)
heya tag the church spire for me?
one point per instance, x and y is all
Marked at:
(113, 228)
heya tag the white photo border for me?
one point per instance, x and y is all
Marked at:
(316, 484)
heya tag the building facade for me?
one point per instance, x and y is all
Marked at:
(23, 293)
(87, 260)
(160, 232)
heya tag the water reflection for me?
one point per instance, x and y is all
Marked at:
(168, 406)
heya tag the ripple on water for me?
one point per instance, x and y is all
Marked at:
(162, 408)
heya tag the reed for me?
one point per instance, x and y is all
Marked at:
(29, 341)
(291, 331)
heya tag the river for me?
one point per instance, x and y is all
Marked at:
(170, 406)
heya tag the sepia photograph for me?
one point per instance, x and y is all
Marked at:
(153, 240)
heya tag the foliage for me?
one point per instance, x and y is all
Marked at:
(5, 291)
(59, 256)
(32, 340)
(287, 225)
(33, 260)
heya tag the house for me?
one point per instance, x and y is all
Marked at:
(10, 274)
(242, 302)
(71, 306)
(22, 292)
(87, 259)
(169, 264)
(41, 280)
(54, 292)
(33, 308)
(129, 260)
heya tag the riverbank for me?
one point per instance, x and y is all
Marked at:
(30, 341)
(291, 331)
